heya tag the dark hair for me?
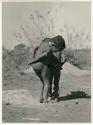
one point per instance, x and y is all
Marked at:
(59, 42)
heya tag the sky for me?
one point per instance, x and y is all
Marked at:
(77, 14)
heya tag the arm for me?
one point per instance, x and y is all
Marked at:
(38, 59)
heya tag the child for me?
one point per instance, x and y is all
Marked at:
(49, 54)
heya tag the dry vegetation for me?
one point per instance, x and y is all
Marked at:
(39, 26)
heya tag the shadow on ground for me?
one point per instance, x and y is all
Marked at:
(74, 95)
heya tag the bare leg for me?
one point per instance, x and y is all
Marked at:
(43, 73)
(46, 79)
(38, 68)
(46, 90)
(41, 95)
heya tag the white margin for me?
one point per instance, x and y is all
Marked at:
(0, 61)
(46, 0)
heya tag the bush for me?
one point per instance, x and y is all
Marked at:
(13, 60)
(79, 58)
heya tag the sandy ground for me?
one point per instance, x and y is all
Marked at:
(21, 95)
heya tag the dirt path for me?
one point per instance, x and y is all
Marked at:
(21, 94)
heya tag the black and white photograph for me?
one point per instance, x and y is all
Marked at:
(46, 61)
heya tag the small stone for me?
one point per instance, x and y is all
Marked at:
(8, 103)
(76, 102)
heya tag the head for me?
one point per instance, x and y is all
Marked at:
(57, 43)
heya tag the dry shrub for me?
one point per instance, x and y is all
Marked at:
(7, 63)
(79, 58)
(13, 60)
(39, 26)
(76, 39)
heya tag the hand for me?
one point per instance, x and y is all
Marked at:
(30, 63)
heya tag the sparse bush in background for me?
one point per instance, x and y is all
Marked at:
(76, 39)
(71, 57)
(39, 26)
(13, 60)
(7, 62)
(21, 56)
(79, 58)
